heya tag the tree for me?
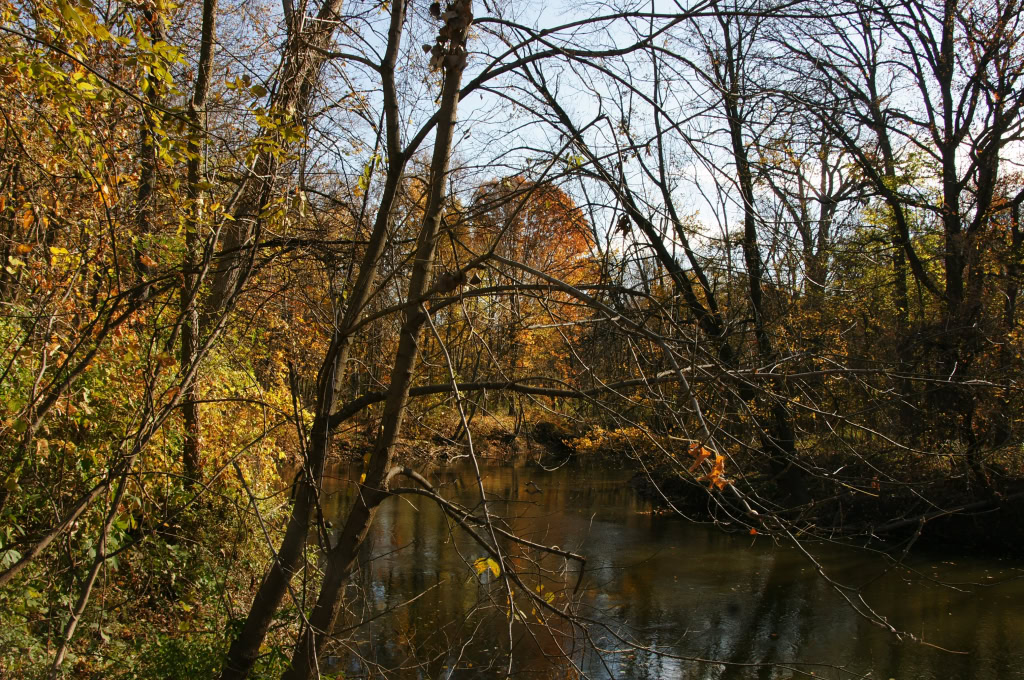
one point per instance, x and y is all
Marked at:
(770, 254)
(927, 125)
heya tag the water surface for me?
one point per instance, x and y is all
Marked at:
(676, 590)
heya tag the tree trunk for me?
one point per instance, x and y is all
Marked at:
(145, 195)
(303, 58)
(191, 448)
(341, 558)
(245, 648)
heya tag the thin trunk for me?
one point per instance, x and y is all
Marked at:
(98, 561)
(959, 335)
(9, 279)
(145, 195)
(191, 448)
(1013, 270)
(778, 437)
(340, 559)
(245, 648)
(44, 542)
(304, 56)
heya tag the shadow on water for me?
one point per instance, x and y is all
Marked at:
(418, 606)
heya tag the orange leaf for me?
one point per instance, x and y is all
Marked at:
(700, 453)
(716, 478)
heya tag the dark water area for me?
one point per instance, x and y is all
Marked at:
(680, 591)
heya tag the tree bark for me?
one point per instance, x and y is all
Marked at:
(145, 195)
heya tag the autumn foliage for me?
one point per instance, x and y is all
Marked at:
(230, 261)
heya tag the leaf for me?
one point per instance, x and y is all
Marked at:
(716, 478)
(483, 564)
(9, 558)
(700, 453)
(23, 248)
(71, 15)
(101, 32)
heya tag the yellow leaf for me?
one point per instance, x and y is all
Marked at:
(483, 564)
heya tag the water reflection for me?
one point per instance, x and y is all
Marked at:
(418, 606)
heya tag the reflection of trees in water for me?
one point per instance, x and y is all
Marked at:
(768, 624)
(664, 584)
(393, 570)
(457, 616)
(961, 620)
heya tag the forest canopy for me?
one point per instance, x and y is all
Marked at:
(769, 253)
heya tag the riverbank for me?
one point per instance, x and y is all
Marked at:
(938, 511)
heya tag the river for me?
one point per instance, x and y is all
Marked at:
(677, 589)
